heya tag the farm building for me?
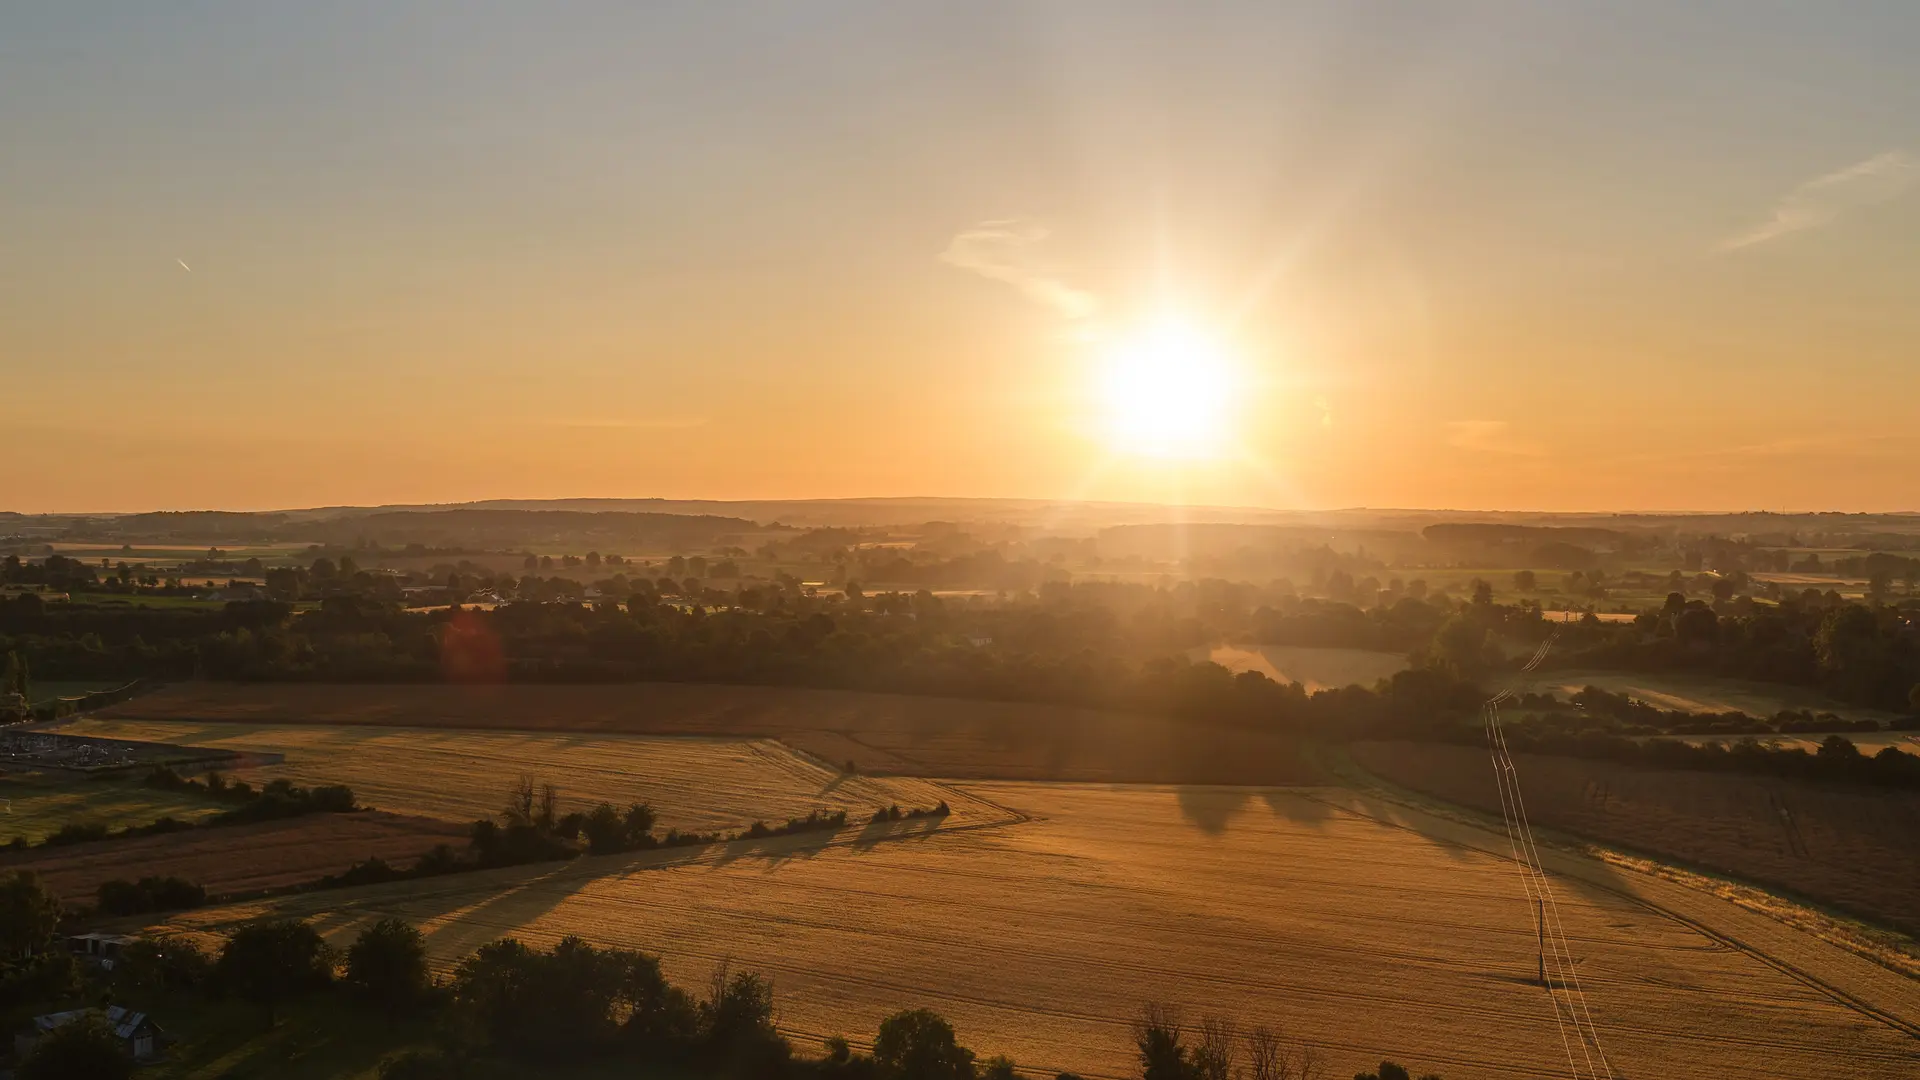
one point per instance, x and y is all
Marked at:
(102, 949)
(136, 1029)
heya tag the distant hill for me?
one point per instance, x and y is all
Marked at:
(627, 524)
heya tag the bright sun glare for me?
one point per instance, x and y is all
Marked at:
(1168, 391)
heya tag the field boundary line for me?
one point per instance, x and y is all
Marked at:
(950, 786)
(1850, 933)
(1787, 968)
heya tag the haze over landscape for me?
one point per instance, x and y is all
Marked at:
(960, 541)
(1484, 255)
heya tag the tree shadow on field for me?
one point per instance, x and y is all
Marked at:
(777, 849)
(503, 913)
(878, 832)
(1211, 809)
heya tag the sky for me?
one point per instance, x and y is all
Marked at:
(1467, 255)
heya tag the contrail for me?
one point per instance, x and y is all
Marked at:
(184, 266)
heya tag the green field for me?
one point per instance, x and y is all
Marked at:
(38, 691)
(37, 806)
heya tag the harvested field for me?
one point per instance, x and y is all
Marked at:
(881, 733)
(1704, 693)
(36, 806)
(694, 783)
(1854, 849)
(239, 858)
(1367, 929)
(1315, 669)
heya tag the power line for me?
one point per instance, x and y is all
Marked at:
(1556, 953)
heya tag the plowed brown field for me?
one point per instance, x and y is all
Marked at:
(881, 733)
(1369, 930)
(239, 858)
(1857, 849)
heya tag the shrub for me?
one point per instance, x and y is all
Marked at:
(120, 897)
(76, 833)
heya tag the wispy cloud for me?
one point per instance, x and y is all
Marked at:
(1490, 437)
(1003, 250)
(1824, 199)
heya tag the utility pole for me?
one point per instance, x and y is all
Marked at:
(1540, 935)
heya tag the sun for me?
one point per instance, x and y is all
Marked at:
(1168, 391)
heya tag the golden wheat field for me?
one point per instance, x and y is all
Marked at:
(694, 783)
(1364, 928)
(883, 733)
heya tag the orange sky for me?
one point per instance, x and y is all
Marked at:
(1489, 258)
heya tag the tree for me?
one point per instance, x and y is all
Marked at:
(387, 965)
(1524, 580)
(1838, 748)
(29, 914)
(1269, 1057)
(569, 1002)
(738, 1011)
(1697, 625)
(917, 1044)
(998, 1067)
(838, 1050)
(83, 1049)
(1852, 651)
(1391, 1070)
(1212, 1059)
(13, 679)
(273, 962)
(1160, 1042)
(161, 965)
